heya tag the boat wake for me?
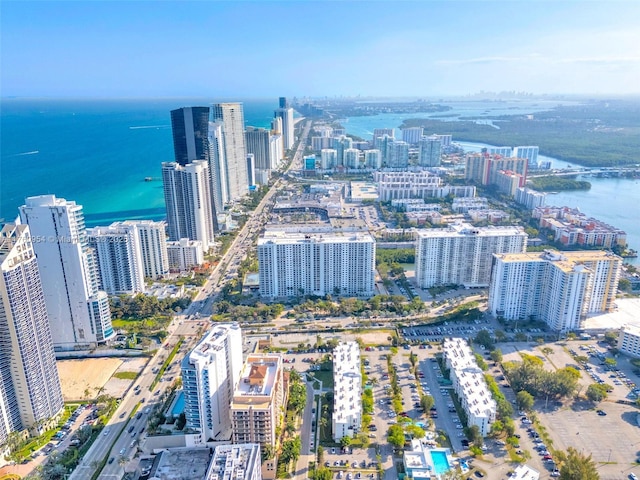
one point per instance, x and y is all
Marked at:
(148, 126)
(35, 152)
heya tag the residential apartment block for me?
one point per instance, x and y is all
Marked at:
(210, 373)
(572, 227)
(30, 392)
(78, 310)
(184, 254)
(462, 254)
(416, 184)
(484, 167)
(347, 388)
(119, 258)
(469, 384)
(629, 340)
(530, 198)
(560, 289)
(258, 400)
(314, 263)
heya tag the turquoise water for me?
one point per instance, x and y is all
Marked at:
(96, 152)
(178, 405)
(440, 462)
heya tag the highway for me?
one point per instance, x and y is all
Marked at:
(124, 431)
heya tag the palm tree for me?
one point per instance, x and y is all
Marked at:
(123, 460)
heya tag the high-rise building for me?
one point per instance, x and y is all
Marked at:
(119, 258)
(276, 150)
(288, 125)
(373, 159)
(258, 400)
(251, 169)
(153, 246)
(351, 158)
(530, 153)
(190, 126)
(283, 103)
(210, 373)
(530, 198)
(328, 158)
(347, 380)
(218, 169)
(340, 144)
(462, 254)
(430, 152)
(187, 197)
(560, 289)
(381, 132)
(78, 311)
(257, 142)
(502, 151)
(483, 167)
(412, 135)
(30, 392)
(235, 156)
(397, 154)
(308, 263)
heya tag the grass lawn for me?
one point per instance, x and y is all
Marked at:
(326, 377)
(126, 375)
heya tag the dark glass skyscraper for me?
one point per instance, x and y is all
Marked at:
(190, 127)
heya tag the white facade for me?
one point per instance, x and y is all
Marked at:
(464, 205)
(235, 462)
(419, 184)
(629, 340)
(30, 389)
(373, 159)
(78, 311)
(412, 135)
(328, 158)
(469, 384)
(560, 289)
(352, 158)
(119, 257)
(530, 153)
(294, 264)
(530, 198)
(429, 152)
(462, 254)
(286, 115)
(153, 246)
(187, 195)
(210, 372)
(234, 167)
(525, 472)
(502, 151)
(397, 154)
(184, 254)
(347, 388)
(276, 151)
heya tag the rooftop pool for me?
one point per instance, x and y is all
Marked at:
(440, 462)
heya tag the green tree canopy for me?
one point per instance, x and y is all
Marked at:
(395, 436)
(524, 400)
(578, 467)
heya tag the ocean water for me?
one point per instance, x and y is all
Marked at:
(96, 152)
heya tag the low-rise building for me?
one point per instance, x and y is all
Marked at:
(464, 205)
(469, 384)
(419, 461)
(416, 184)
(181, 463)
(235, 462)
(347, 381)
(629, 340)
(525, 472)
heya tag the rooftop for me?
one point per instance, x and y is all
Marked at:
(258, 376)
(566, 261)
(181, 464)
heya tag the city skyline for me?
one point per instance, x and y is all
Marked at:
(130, 49)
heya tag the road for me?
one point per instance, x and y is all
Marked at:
(203, 302)
(122, 433)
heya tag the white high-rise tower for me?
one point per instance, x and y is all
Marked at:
(30, 390)
(78, 311)
(233, 168)
(187, 195)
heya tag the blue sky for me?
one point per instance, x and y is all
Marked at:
(259, 49)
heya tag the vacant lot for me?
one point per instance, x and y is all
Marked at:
(82, 376)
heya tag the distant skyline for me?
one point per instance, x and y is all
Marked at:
(311, 48)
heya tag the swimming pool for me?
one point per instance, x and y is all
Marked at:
(440, 462)
(178, 405)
